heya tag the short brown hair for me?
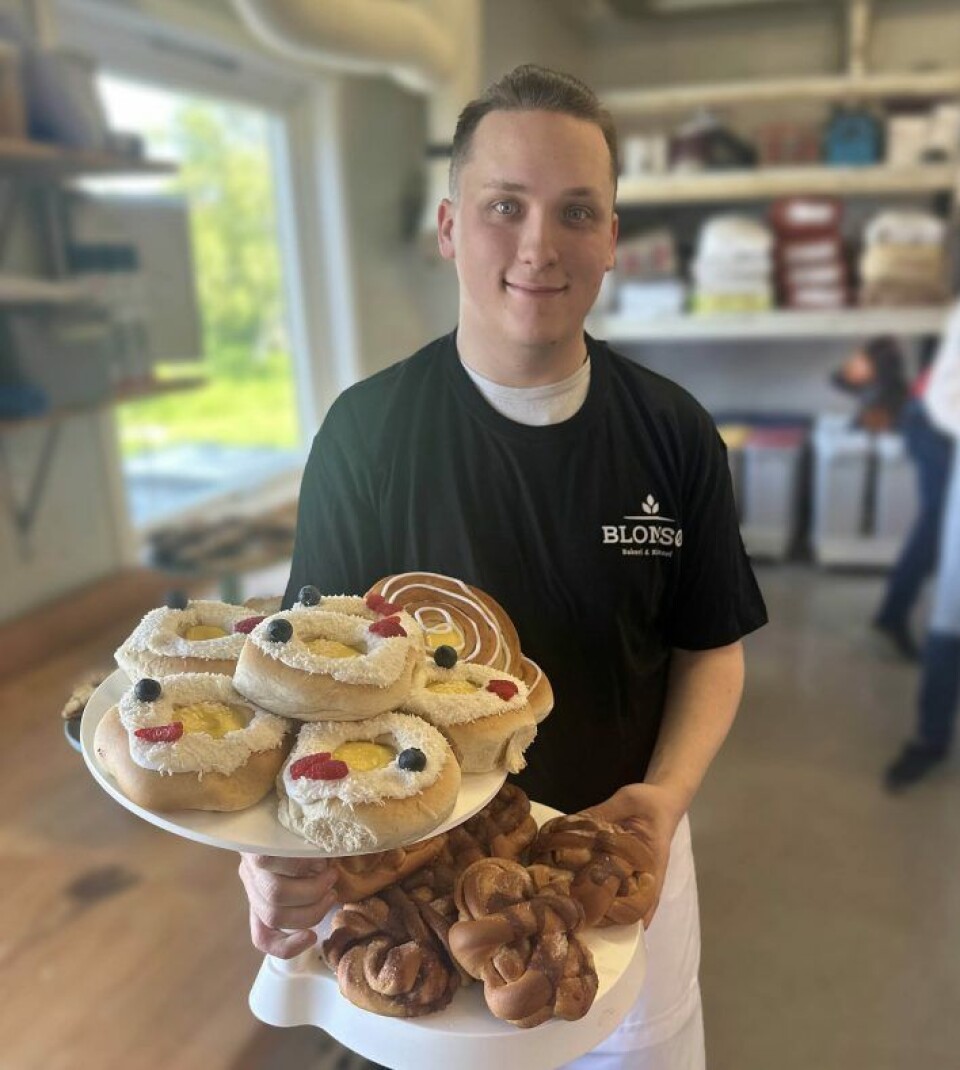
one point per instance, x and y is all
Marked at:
(532, 88)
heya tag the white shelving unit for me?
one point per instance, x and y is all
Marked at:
(763, 183)
(776, 324)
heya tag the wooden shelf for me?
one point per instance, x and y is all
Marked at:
(769, 182)
(20, 291)
(626, 103)
(130, 392)
(39, 159)
(783, 324)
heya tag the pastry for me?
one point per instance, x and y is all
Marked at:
(452, 613)
(336, 660)
(361, 786)
(389, 957)
(190, 637)
(359, 876)
(610, 871)
(482, 711)
(505, 828)
(520, 942)
(191, 742)
(539, 691)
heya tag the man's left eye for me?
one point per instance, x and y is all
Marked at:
(578, 214)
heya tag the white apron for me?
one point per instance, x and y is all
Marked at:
(664, 1028)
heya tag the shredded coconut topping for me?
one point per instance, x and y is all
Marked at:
(443, 709)
(381, 661)
(396, 730)
(158, 636)
(197, 752)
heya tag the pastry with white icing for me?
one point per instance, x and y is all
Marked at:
(191, 742)
(456, 614)
(362, 786)
(483, 712)
(340, 659)
(200, 636)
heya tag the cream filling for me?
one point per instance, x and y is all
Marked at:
(446, 708)
(381, 660)
(160, 633)
(197, 752)
(395, 730)
(437, 622)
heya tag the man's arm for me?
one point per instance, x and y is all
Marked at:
(703, 695)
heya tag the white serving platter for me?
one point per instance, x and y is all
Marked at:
(255, 830)
(465, 1035)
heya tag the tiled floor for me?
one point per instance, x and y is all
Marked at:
(831, 911)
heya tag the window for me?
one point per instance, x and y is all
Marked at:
(239, 429)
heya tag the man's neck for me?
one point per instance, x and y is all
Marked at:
(512, 365)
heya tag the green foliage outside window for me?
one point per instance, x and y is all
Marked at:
(249, 399)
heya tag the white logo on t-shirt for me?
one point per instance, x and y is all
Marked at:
(646, 535)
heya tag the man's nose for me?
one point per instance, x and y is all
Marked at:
(538, 245)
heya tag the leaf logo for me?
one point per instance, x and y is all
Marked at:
(650, 506)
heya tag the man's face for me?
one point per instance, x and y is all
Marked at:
(532, 229)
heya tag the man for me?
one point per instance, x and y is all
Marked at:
(589, 496)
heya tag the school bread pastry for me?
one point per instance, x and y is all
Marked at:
(185, 637)
(191, 742)
(359, 786)
(482, 711)
(330, 658)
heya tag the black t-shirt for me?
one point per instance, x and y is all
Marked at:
(609, 538)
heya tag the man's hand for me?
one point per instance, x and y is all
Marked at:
(286, 894)
(651, 814)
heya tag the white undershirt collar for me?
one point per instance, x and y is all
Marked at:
(536, 406)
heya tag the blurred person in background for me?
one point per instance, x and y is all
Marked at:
(940, 657)
(876, 375)
(507, 453)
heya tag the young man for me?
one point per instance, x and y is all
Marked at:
(587, 495)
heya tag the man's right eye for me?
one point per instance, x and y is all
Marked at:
(506, 208)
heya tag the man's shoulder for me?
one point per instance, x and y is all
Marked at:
(635, 384)
(394, 385)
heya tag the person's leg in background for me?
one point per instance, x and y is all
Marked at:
(931, 452)
(940, 666)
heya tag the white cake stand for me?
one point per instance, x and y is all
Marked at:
(464, 1035)
(256, 829)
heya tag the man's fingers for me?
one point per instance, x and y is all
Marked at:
(276, 917)
(289, 867)
(279, 944)
(286, 891)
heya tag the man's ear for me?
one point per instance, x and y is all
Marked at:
(614, 232)
(446, 214)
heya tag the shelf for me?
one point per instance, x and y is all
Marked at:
(843, 323)
(688, 188)
(130, 392)
(24, 291)
(43, 160)
(841, 88)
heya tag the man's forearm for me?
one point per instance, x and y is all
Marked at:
(703, 695)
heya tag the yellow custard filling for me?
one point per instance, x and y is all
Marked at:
(204, 631)
(447, 637)
(330, 648)
(362, 756)
(214, 718)
(452, 687)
